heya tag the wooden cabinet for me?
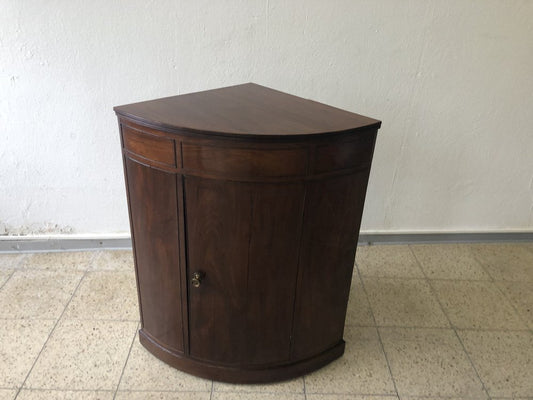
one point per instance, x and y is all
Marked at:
(245, 205)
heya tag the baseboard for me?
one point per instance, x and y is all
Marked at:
(16, 244)
(32, 244)
(444, 237)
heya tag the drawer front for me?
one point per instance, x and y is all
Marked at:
(244, 162)
(151, 147)
(344, 155)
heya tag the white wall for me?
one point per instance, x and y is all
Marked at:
(452, 81)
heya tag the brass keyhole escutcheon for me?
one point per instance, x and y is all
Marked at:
(197, 277)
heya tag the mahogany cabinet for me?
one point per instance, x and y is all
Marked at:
(245, 205)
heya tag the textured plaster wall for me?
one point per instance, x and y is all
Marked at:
(452, 81)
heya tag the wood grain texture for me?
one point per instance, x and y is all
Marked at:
(244, 162)
(151, 147)
(244, 237)
(357, 152)
(154, 211)
(270, 226)
(264, 374)
(245, 110)
(333, 213)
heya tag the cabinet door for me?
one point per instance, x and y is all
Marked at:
(154, 216)
(330, 230)
(244, 238)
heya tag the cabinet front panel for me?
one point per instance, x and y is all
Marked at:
(152, 147)
(244, 238)
(331, 225)
(244, 162)
(154, 214)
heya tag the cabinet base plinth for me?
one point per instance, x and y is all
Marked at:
(241, 375)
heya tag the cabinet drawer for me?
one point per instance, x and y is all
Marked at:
(344, 155)
(151, 147)
(244, 162)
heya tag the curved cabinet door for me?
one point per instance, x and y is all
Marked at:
(154, 220)
(244, 238)
(331, 228)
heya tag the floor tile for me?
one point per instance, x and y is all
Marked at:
(507, 262)
(348, 397)
(429, 362)
(11, 260)
(105, 295)
(512, 398)
(37, 294)
(449, 261)
(362, 368)
(504, 361)
(442, 398)
(404, 302)
(387, 261)
(26, 394)
(67, 260)
(116, 260)
(476, 305)
(85, 355)
(528, 246)
(145, 372)
(7, 394)
(4, 275)
(163, 396)
(291, 386)
(256, 396)
(520, 294)
(358, 312)
(20, 344)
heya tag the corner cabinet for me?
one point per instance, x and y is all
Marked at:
(245, 205)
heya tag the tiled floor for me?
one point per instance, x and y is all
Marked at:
(424, 322)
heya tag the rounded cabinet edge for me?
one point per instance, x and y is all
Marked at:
(247, 158)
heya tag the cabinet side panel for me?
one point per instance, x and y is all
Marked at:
(332, 219)
(245, 238)
(154, 214)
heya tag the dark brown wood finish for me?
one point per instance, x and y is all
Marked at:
(245, 110)
(154, 149)
(154, 211)
(330, 231)
(244, 162)
(250, 268)
(260, 193)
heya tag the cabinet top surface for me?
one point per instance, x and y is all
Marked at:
(247, 109)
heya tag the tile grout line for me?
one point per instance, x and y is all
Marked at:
(483, 267)
(494, 282)
(421, 278)
(212, 388)
(451, 397)
(525, 322)
(377, 330)
(8, 279)
(253, 393)
(437, 327)
(51, 332)
(451, 324)
(126, 361)
(15, 269)
(91, 260)
(71, 319)
(65, 390)
(278, 393)
(305, 388)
